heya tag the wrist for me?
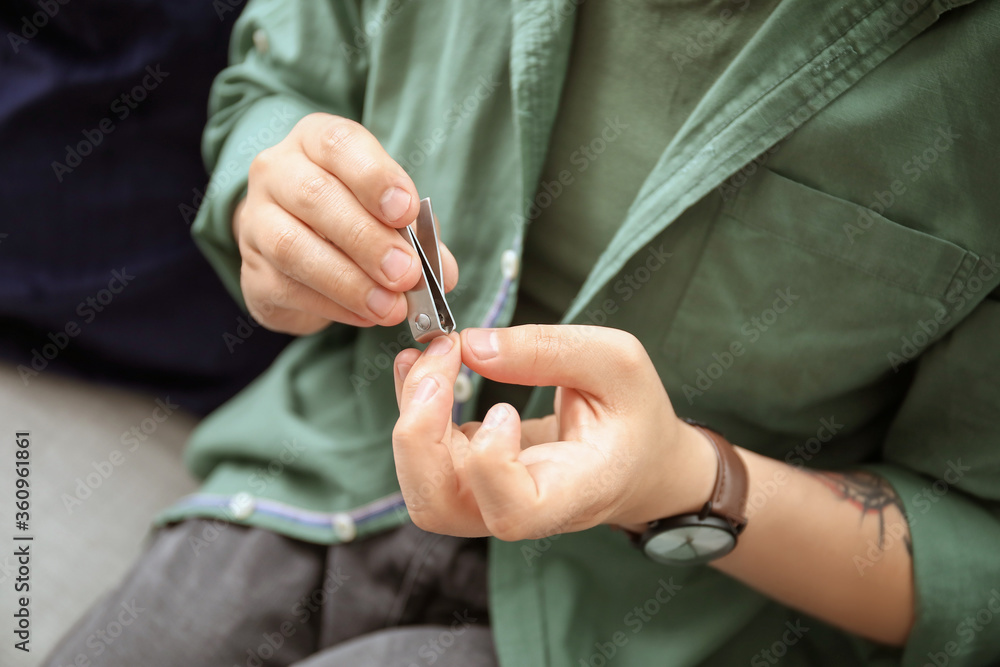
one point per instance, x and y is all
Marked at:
(682, 483)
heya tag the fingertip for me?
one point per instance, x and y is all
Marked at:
(400, 268)
(409, 354)
(398, 205)
(497, 416)
(432, 363)
(441, 346)
(404, 362)
(501, 424)
(481, 344)
(388, 308)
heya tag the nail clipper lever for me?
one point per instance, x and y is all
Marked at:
(427, 309)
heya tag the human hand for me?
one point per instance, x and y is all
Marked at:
(612, 452)
(315, 231)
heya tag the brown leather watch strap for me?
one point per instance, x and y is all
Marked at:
(729, 497)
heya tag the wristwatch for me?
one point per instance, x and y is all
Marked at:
(692, 539)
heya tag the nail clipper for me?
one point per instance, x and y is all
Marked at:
(427, 310)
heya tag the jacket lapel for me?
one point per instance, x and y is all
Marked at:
(779, 81)
(542, 37)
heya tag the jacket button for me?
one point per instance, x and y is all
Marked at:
(510, 264)
(344, 527)
(260, 41)
(463, 388)
(241, 506)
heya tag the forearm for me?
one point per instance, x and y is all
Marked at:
(833, 545)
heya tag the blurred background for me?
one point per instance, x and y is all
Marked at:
(115, 334)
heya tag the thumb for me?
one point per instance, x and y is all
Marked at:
(603, 362)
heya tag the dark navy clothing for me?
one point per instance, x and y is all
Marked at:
(102, 104)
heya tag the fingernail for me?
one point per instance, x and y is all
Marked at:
(381, 301)
(402, 370)
(396, 264)
(440, 346)
(483, 343)
(426, 390)
(497, 415)
(395, 202)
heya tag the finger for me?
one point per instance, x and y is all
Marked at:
(533, 431)
(350, 152)
(422, 434)
(505, 492)
(538, 431)
(549, 488)
(404, 362)
(326, 205)
(288, 294)
(297, 251)
(262, 308)
(449, 268)
(283, 320)
(442, 361)
(598, 361)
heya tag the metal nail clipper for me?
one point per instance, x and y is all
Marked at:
(427, 310)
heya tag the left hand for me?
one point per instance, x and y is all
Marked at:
(612, 452)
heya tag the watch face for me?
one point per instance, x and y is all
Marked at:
(690, 544)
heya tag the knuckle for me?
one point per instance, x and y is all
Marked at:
(546, 347)
(367, 169)
(306, 267)
(338, 280)
(284, 246)
(337, 136)
(261, 164)
(631, 354)
(355, 232)
(261, 309)
(311, 192)
(311, 121)
(401, 438)
(284, 292)
(507, 528)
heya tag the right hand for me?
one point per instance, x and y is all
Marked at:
(314, 231)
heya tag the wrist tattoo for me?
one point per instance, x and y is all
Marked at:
(869, 493)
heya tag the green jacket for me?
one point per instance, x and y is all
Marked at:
(812, 267)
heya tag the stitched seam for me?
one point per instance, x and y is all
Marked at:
(963, 270)
(686, 157)
(841, 260)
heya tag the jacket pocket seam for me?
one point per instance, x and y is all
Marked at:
(853, 265)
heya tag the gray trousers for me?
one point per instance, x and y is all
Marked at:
(212, 594)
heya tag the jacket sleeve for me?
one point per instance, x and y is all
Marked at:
(942, 456)
(288, 58)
